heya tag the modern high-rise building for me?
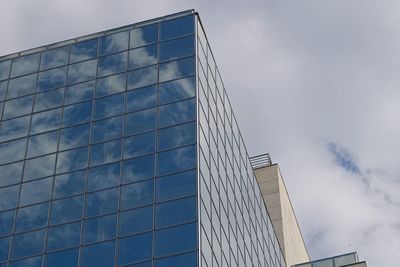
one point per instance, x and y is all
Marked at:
(121, 148)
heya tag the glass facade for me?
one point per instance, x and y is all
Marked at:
(121, 149)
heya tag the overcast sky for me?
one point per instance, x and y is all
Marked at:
(315, 83)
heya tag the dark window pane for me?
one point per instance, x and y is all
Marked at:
(184, 260)
(72, 160)
(114, 43)
(99, 255)
(83, 71)
(51, 79)
(176, 212)
(135, 248)
(77, 113)
(176, 160)
(4, 69)
(6, 222)
(66, 210)
(142, 264)
(28, 244)
(42, 144)
(175, 186)
(142, 77)
(63, 236)
(177, 48)
(141, 98)
(142, 57)
(39, 167)
(176, 69)
(24, 65)
(10, 174)
(135, 221)
(105, 152)
(107, 129)
(83, 50)
(24, 85)
(12, 151)
(69, 184)
(138, 169)
(137, 194)
(177, 27)
(36, 191)
(180, 135)
(18, 107)
(103, 176)
(144, 35)
(32, 217)
(31, 262)
(74, 137)
(110, 85)
(79, 92)
(66, 258)
(140, 121)
(139, 145)
(176, 90)
(46, 121)
(54, 58)
(101, 202)
(112, 64)
(176, 113)
(14, 128)
(100, 228)
(3, 89)
(8, 197)
(185, 239)
(109, 106)
(4, 246)
(48, 100)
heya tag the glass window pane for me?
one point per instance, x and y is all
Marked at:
(176, 212)
(79, 92)
(3, 89)
(18, 107)
(83, 71)
(105, 152)
(4, 247)
(54, 58)
(176, 186)
(74, 137)
(103, 177)
(98, 255)
(345, 259)
(141, 98)
(176, 90)
(100, 228)
(135, 221)
(49, 100)
(10, 174)
(101, 202)
(176, 113)
(141, 245)
(12, 151)
(83, 50)
(109, 106)
(177, 48)
(140, 121)
(142, 77)
(110, 85)
(184, 260)
(176, 69)
(69, 184)
(112, 64)
(63, 236)
(28, 244)
(176, 160)
(32, 217)
(177, 27)
(180, 135)
(137, 194)
(185, 239)
(8, 197)
(66, 210)
(6, 222)
(36, 191)
(107, 129)
(24, 65)
(4, 69)
(14, 128)
(39, 167)
(78, 113)
(144, 35)
(139, 145)
(46, 121)
(31, 262)
(42, 144)
(114, 43)
(21, 86)
(51, 79)
(138, 169)
(62, 259)
(142, 57)
(72, 160)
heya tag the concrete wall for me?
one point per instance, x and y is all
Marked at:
(282, 215)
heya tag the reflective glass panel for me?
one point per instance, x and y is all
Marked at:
(112, 64)
(72, 160)
(139, 145)
(42, 144)
(137, 194)
(67, 258)
(109, 106)
(80, 72)
(142, 77)
(46, 121)
(12, 151)
(141, 98)
(32, 217)
(54, 58)
(135, 221)
(18, 107)
(8, 197)
(14, 128)
(69, 184)
(180, 135)
(3, 89)
(78, 113)
(142, 57)
(36, 191)
(176, 69)
(83, 50)
(140, 121)
(39, 167)
(176, 113)
(6, 222)
(105, 152)
(177, 27)
(74, 137)
(101, 202)
(114, 43)
(176, 90)
(138, 169)
(175, 186)
(79, 92)
(185, 239)
(31, 262)
(107, 129)
(110, 85)
(144, 35)
(99, 228)
(176, 160)
(66, 210)
(21, 86)
(24, 65)
(98, 255)
(51, 79)
(184, 260)
(48, 100)
(141, 245)
(103, 177)
(177, 48)
(4, 69)
(4, 246)
(176, 212)
(28, 244)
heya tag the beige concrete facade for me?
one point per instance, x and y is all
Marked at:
(282, 215)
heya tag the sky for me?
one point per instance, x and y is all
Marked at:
(312, 82)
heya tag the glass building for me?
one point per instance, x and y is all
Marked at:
(121, 149)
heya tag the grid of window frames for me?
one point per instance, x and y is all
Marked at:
(98, 151)
(235, 229)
